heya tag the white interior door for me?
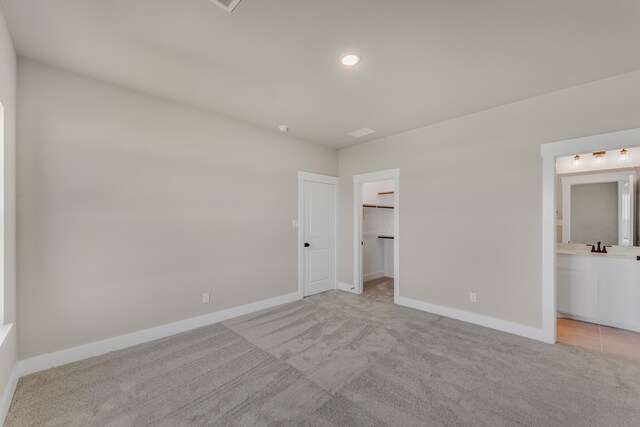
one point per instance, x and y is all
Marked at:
(319, 225)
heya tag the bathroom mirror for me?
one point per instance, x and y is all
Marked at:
(599, 207)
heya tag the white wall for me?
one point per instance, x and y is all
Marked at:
(8, 345)
(389, 269)
(471, 196)
(372, 247)
(370, 192)
(131, 207)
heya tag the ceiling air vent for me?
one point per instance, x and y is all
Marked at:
(361, 132)
(227, 5)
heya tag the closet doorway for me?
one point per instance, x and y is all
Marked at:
(377, 236)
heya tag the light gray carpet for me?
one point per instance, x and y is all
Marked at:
(337, 359)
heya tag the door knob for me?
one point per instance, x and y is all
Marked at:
(306, 245)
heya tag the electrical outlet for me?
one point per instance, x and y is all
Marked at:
(205, 297)
(294, 223)
(472, 297)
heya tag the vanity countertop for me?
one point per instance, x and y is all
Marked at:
(585, 250)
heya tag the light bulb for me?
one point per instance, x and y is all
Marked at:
(598, 158)
(576, 161)
(624, 156)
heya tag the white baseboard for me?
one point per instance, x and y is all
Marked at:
(371, 276)
(9, 391)
(477, 319)
(97, 348)
(347, 287)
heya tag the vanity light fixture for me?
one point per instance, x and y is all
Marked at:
(624, 156)
(576, 161)
(598, 157)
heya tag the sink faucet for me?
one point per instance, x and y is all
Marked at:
(602, 249)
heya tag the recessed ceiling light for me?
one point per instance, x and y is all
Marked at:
(349, 59)
(283, 128)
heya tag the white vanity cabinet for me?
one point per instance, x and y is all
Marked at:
(619, 300)
(578, 293)
(599, 289)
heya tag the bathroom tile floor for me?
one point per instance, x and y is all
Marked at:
(600, 338)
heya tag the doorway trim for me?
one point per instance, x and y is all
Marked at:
(358, 180)
(324, 179)
(550, 152)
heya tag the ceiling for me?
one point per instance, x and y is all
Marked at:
(273, 62)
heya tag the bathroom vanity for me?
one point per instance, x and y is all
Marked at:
(599, 283)
(599, 288)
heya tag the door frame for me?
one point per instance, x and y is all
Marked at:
(550, 152)
(324, 179)
(358, 180)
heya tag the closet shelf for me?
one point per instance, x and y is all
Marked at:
(377, 206)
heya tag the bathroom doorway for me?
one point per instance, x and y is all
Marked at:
(376, 237)
(598, 297)
(591, 244)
